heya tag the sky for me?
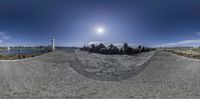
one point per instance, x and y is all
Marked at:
(76, 22)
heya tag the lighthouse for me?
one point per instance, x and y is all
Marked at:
(52, 43)
(8, 48)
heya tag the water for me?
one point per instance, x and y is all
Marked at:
(17, 51)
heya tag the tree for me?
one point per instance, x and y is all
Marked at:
(111, 49)
(127, 50)
(101, 45)
(92, 49)
(111, 46)
(115, 50)
(121, 51)
(125, 46)
(139, 47)
(101, 48)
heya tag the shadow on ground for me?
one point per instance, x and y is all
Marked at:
(108, 72)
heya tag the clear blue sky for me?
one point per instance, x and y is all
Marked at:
(73, 22)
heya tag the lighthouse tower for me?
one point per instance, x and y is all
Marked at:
(8, 48)
(52, 43)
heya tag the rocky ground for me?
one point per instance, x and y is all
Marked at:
(54, 75)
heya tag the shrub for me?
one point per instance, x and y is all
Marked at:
(111, 49)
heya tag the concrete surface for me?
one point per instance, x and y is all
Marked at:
(109, 67)
(53, 75)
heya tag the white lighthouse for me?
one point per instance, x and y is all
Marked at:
(52, 43)
(8, 48)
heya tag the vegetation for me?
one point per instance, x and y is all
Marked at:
(196, 49)
(111, 49)
(24, 55)
(190, 53)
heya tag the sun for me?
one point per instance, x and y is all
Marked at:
(100, 31)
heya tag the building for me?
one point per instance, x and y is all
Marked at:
(52, 43)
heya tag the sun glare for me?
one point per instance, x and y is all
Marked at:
(100, 31)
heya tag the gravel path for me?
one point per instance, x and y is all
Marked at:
(51, 75)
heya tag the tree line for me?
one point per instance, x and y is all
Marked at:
(111, 49)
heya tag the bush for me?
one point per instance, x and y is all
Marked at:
(113, 50)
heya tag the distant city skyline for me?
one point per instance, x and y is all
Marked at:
(78, 22)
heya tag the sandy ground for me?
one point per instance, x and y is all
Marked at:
(53, 75)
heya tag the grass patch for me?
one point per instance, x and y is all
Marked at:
(185, 53)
